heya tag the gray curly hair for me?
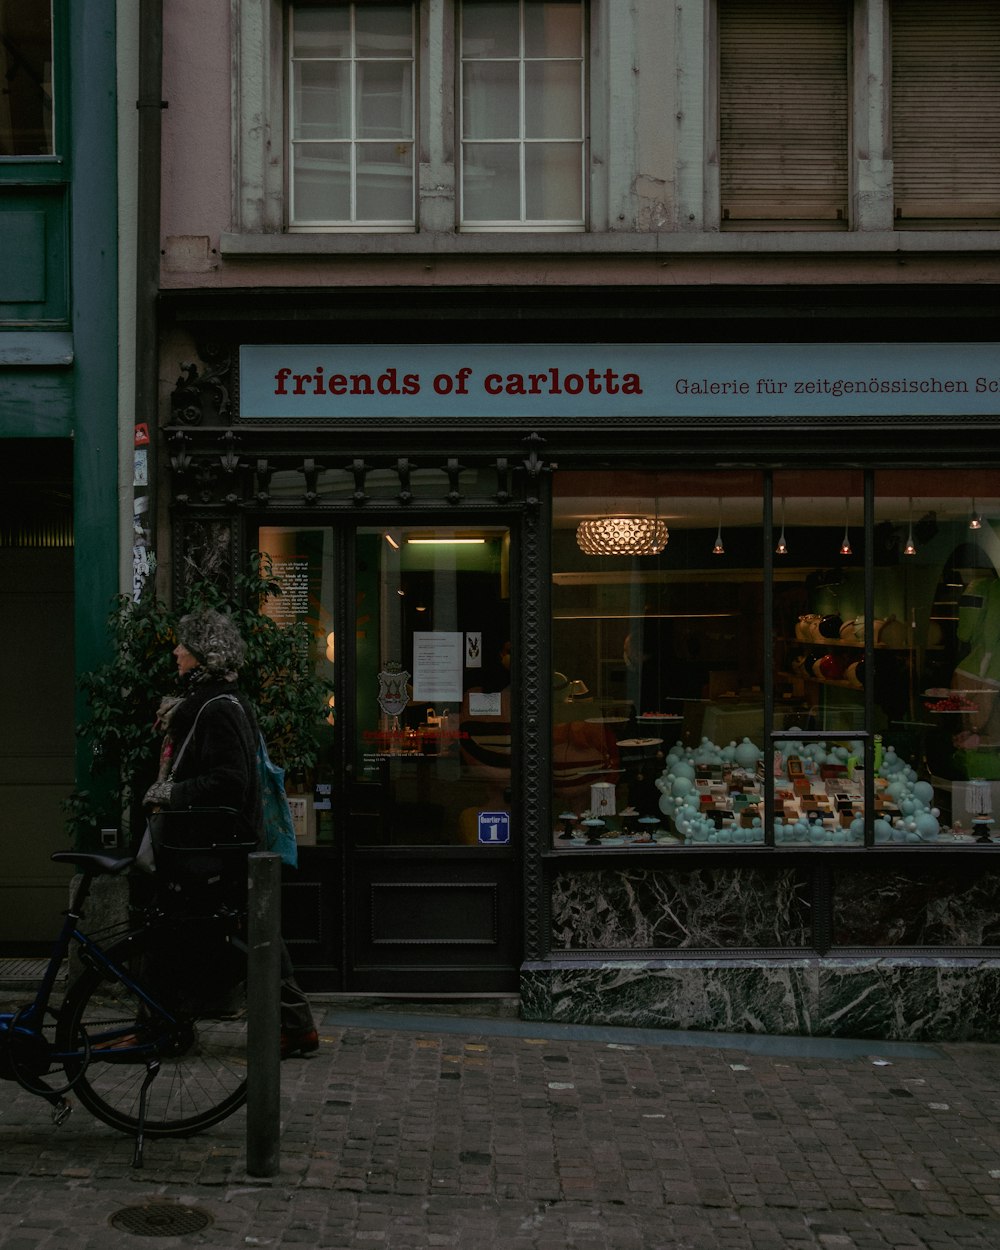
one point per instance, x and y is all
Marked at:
(213, 640)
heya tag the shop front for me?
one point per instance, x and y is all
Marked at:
(664, 676)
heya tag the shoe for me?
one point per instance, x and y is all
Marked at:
(298, 1042)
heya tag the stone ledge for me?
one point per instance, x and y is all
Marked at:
(236, 246)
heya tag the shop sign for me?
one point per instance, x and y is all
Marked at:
(509, 381)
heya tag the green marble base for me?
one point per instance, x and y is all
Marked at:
(919, 998)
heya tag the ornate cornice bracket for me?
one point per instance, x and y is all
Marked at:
(203, 396)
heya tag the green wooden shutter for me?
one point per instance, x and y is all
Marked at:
(783, 111)
(946, 110)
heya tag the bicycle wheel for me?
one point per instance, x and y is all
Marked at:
(203, 1059)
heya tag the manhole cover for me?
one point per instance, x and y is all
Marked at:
(160, 1219)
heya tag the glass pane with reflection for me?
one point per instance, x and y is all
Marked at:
(301, 562)
(937, 625)
(657, 699)
(433, 656)
(818, 649)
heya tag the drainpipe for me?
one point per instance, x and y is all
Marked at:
(147, 270)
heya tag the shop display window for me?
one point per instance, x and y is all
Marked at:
(775, 659)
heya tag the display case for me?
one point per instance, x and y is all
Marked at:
(833, 690)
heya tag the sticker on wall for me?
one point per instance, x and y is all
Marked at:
(494, 828)
(474, 649)
(140, 471)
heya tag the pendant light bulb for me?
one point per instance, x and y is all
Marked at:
(977, 521)
(845, 545)
(782, 547)
(911, 548)
(719, 549)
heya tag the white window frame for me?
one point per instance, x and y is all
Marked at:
(523, 142)
(387, 225)
(261, 131)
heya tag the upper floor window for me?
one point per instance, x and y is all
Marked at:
(783, 113)
(351, 110)
(522, 114)
(26, 75)
(946, 112)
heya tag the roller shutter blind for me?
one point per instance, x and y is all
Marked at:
(946, 110)
(783, 111)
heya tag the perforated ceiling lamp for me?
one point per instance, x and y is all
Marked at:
(782, 547)
(719, 549)
(977, 521)
(911, 547)
(622, 536)
(845, 546)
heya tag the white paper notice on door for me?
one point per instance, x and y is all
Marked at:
(484, 703)
(438, 657)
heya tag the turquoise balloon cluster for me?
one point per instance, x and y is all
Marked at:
(918, 820)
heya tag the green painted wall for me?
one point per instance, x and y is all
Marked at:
(59, 313)
(93, 280)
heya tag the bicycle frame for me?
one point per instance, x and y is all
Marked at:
(24, 1027)
(151, 1036)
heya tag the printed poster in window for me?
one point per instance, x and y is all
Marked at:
(438, 658)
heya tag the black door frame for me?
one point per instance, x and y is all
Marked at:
(334, 895)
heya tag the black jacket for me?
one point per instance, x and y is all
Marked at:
(218, 767)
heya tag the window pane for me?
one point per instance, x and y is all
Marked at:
(490, 29)
(433, 681)
(334, 185)
(490, 105)
(553, 182)
(321, 182)
(322, 100)
(818, 648)
(657, 689)
(937, 680)
(384, 101)
(323, 31)
(26, 73)
(491, 181)
(302, 564)
(554, 29)
(383, 30)
(552, 104)
(385, 182)
(524, 99)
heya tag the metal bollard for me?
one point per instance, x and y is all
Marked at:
(264, 1015)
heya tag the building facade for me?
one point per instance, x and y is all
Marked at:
(58, 423)
(612, 389)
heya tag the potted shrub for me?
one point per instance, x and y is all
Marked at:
(278, 677)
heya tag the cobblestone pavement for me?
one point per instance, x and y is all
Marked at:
(406, 1132)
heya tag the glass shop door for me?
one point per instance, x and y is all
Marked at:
(408, 880)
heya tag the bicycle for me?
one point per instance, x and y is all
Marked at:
(142, 1048)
